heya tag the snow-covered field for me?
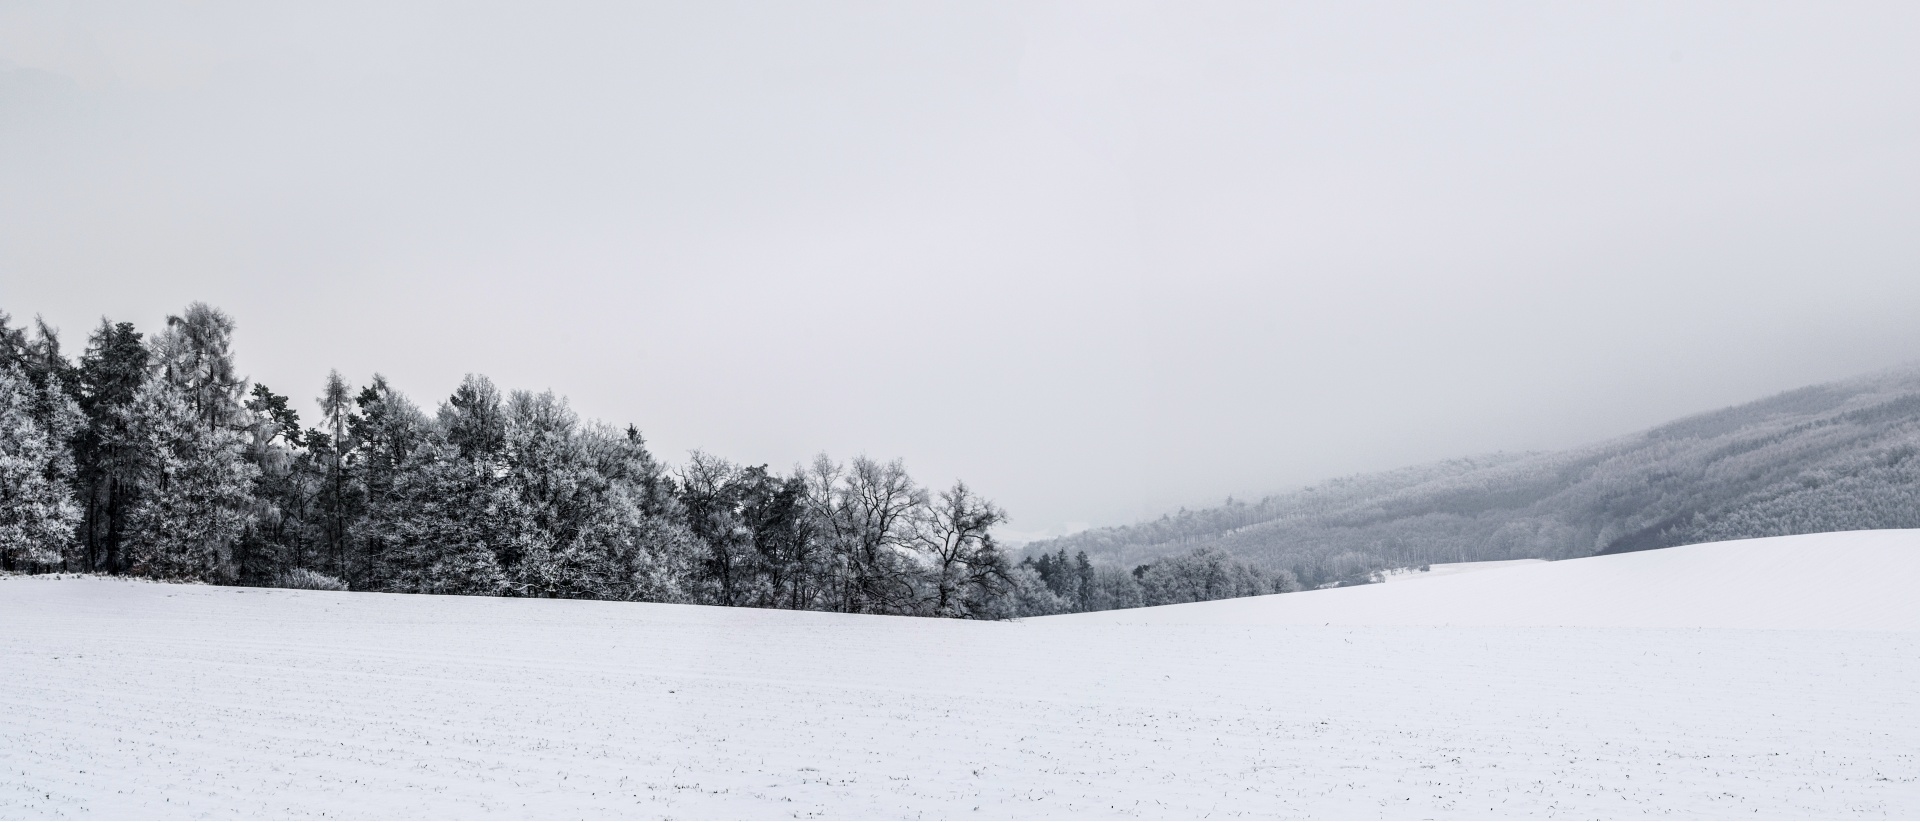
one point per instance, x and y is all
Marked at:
(1443, 569)
(1771, 678)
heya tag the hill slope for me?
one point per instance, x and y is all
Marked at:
(130, 699)
(1825, 458)
(1779, 583)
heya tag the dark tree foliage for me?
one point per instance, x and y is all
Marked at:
(1067, 579)
(285, 490)
(1076, 584)
(110, 374)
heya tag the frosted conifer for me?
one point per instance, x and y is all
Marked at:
(37, 510)
(196, 489)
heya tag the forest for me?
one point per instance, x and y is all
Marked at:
(1833, 457)
(152, 456)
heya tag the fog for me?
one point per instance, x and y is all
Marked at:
(1099, 260)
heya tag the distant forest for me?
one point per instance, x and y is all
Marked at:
(153, 457)
(1833, 457)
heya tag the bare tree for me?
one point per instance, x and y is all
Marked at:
(707, 484)
(874, 509)
(834, 562)
(954, 535)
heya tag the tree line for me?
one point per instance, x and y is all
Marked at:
(151, 456)
(1056, 584)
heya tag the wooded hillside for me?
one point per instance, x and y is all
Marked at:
(1832, 457)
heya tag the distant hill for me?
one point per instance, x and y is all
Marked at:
(1742, 584)
(1833, 457)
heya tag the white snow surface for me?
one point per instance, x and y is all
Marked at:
(1442, 569)
(1849, 581)
(1760, 679)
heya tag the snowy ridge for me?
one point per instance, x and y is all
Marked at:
(1825, 458)
(139, 700)
(1847, 581)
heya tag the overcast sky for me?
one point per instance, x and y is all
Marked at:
(1099, 260)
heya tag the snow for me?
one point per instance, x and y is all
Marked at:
(1770, 678)
(1848, 581)
(1443, 569)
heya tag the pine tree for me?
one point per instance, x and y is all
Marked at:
(1082, 582)
(637, 524)
(431, 530)
(195, 495)
(552, 491)
(383, 434)
(195, 354)
(286, 489)
(189, 422)
(172, 468)
(340, 498)
(111, 372)
(37, 511)
(786, 542)
(44, 383)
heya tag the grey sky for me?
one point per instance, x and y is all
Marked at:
(1100, 260)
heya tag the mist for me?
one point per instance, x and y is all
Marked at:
(1099, 260)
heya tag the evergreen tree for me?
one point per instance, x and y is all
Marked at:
(430, 531)
(788, 550)
(340, 499)
(37, 511)
(637, 524)
(474, 421)
(111, 372)
(555, 496)
(192, 429)
(45, 383)
(286, 491)
(1028, 595)
(710, 490)
(1110, 589)
(385, 432)
(195, 496)
(183, 472)
(1082, 582)
(194, 353)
